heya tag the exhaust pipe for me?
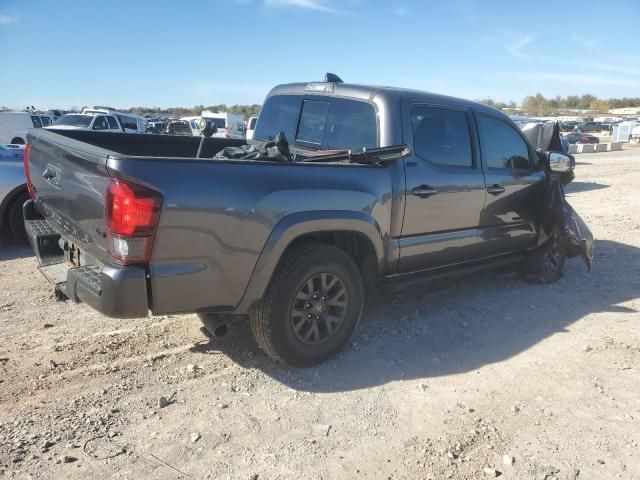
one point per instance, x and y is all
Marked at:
(215, 325)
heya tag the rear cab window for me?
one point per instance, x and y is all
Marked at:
(37, 123)
(319, 122)
(279, 113)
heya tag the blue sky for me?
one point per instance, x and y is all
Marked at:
(182, 53)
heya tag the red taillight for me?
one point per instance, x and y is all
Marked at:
(131, 216)
(27, 149)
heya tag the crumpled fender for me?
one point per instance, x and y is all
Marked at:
(575, 236)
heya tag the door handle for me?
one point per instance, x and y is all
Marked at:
(424, 191)
(49, 173)
(495, 189)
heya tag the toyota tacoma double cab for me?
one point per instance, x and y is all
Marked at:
(375, 186)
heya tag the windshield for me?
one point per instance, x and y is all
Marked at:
(74, 120)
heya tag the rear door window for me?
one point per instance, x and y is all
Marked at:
(441, 136)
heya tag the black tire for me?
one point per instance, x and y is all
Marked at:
(15, 219)
(278, 326)
(17, 141)
(545, 264)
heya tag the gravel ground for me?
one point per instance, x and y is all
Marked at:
(482, 377)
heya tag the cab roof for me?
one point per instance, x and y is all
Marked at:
(371, 92)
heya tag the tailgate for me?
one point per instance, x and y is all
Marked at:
(69, 179)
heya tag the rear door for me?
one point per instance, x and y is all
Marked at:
(514, 187)
(445, 187)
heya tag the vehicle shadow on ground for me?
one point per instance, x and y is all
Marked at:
(475, 322)
(575, 187)
(14, 251)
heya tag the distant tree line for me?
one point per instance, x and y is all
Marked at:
(244, 110)
(532, 105)
(540, 105)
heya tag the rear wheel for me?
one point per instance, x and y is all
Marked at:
(311, 307)
(545, 264)
(15, 218)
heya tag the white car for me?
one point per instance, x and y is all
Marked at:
(229, 125)
(130, 123)
(88, 122)
(14, 126)
(251, 127)
(193, 123)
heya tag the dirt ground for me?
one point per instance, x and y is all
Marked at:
(438, 382)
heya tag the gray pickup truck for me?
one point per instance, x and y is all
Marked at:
(136, 223)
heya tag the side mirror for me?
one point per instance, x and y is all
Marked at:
(207, 127)
(559, 162)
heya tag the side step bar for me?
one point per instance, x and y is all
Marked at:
(402, 281)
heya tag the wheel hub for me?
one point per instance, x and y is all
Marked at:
(319, 307)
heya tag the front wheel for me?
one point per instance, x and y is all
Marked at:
(545, 264)
(311, 307)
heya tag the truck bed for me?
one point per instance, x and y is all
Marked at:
(150, 145)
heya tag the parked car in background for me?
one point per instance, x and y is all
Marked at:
(193, 123)
(568, 126)
(229, 125)
(251, 126)
(577, 137)
(588, 127)
(157, 125)
(635, 134)
(88, 122)
(14, 126)
(179, 127)
(129, 122)
(293, 237)
(13, 192)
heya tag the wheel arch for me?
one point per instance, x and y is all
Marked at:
(356, 233)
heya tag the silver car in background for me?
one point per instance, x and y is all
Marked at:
(13, 192)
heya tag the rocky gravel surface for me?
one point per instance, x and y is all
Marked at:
(484, 377)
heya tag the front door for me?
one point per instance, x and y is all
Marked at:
(514, 188)
(445, 188)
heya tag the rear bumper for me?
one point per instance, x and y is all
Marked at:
(115, 291)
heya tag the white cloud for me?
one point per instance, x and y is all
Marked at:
(7, 19)
(515, 49)
(318, 5)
